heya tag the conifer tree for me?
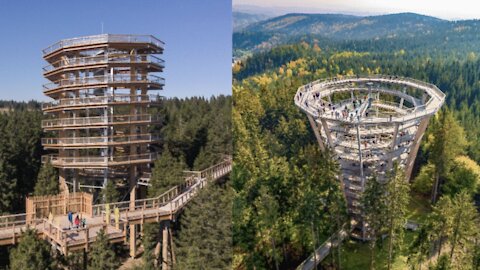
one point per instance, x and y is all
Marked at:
(47, 181)
(464, 224)
(149, 241)
(31, 253)
(110, 193)
(374, 208)
(101, 255)
(167, 173)
(205, 238)
(449, 142)
(7, 188)
(396, 210)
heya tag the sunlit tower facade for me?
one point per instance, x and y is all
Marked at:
(369, 123)
(100, 124)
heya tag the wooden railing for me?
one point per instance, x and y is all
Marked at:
(42, 206)
(168, 203)
(103, 38)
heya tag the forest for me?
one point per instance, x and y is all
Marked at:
(196, 133)
(287, 199)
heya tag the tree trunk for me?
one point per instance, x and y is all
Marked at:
(274, 253)
(314, 247)
(372, 254)
(339, 238)
(435, 188)
(390, 244)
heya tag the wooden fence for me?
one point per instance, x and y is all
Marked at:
(42, 206)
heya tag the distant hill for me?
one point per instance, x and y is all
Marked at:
(242, 19)
(338, 27)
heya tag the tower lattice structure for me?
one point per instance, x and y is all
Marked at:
(369, 123)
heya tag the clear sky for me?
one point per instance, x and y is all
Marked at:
(197, 34)
(445, 9)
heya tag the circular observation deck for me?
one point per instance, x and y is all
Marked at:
(369, 123)
(369, 100)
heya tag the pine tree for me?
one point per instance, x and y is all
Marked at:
(420, 247)
(31, 253)
(464, 225)
(149, 241)
(449, 142)
(440, 221)
(167, 173)
(110, 193)
(47, 181)
(267, 215)
(7, 188)
(398, 197)
(374, 207)
(205, 238)
(101, 255)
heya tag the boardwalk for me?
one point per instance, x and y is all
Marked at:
(167, 206)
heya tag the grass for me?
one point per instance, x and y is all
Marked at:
(418, 208)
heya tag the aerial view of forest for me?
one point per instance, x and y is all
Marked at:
(288, 198)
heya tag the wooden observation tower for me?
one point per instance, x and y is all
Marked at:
(99, 122)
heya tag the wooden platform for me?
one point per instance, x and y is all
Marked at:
(60, 233)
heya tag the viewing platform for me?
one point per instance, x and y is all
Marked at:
(95, 41)
(370, 123)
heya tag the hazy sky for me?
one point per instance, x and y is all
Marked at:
(452, 9)
(198, 36)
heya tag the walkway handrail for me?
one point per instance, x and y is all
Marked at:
(94, 159)
(108, 99)
(100, 139)
(164, 198)
(103, 38)
(116, 78)
(98, 120)
(104, 59)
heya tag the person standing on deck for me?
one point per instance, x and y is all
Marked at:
(70, 218)
(77, 221)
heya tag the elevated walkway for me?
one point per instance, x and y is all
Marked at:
(57, 231)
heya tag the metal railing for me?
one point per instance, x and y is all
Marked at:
(102, 100)
(100, 140)
(104, 38)
(99, 120)
(117, 78)
(105, 59)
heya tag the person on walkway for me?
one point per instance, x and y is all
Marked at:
(70, 218)
(77, 221)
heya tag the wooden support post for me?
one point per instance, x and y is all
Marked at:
(171, 247)
(165, 243)
(133, 241)
(86, 239)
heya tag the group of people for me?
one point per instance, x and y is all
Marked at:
(76, 222)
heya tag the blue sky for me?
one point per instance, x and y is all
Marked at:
(197, 35)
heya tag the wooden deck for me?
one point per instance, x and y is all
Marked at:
(167, 206)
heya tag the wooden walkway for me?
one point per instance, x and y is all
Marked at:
(167, 206)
